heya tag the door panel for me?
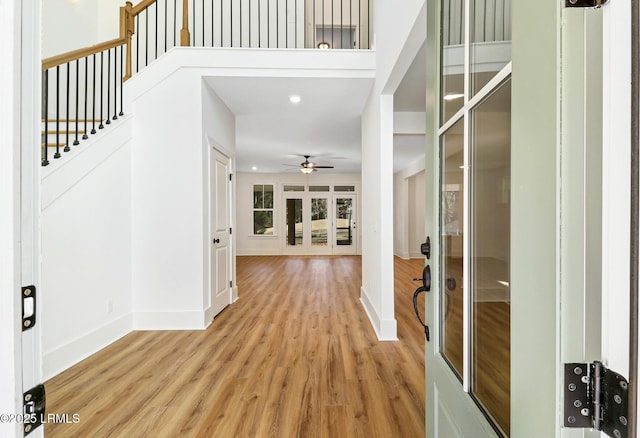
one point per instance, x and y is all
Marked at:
(344, 207)
(220, 233)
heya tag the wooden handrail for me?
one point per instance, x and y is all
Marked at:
(81, 53)
(144, 4)
(127, 29)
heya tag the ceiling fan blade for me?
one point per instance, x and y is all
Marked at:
(321, 167)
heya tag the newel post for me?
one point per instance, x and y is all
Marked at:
(185, 36)
(127, 28)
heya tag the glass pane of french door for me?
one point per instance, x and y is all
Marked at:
(319, 215)
(294, 223)
(451, 243)
(344, 221)
(452, 40)
(490, 40)
(490, 180)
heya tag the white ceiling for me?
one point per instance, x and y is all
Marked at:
(273, 134)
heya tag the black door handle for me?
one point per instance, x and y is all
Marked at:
(417, 292)
(216, 241)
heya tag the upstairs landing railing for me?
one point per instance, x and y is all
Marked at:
(82, 90)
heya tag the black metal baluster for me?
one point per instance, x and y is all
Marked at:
(241, 23)
(315, 26)
(57, 154)
(202, 23)
(268, 23)
(146, 37)
(277, 24)
(76, 142)
(166, 28)
(259, 32)
(155, 53)
(175, 23)
(221, 25)
(231, 34)
(86, 96)
(213, 33)
(101, 126)
(249, 24)
(193, 19)
(341, 25)
(286, 24)
(295, 29)
(115, 83)
(359, 24)
(333, 43)
(368, 24)
(323, 13)
(108, 122)
(351, 42)
(67, 148)
(45, 115)
(121, 80)
(137, 43)
(93, 101)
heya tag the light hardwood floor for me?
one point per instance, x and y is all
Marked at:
(294, 357)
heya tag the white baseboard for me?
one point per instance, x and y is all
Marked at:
(259, 252)
(194, 320)
(415, 255)
(402, 254)
(65, 356)
(386, 329)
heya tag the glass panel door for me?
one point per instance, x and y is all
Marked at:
(490, 180)
(452, 205)
(345, 224)
(294, 224)
(319, 219)
(474, 217)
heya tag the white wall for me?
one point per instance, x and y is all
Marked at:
(70, 25)
(248, 244)
(177, 119)
(86, 252)
(168, 205)
(409, 206)
(416, 214)
(396, 47)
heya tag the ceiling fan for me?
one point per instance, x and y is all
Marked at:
(308, 167)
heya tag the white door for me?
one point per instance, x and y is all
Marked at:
(220, 232)
(344, 224)
(30, 217)
(566, 194)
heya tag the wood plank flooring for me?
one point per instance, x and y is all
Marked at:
(294, 357)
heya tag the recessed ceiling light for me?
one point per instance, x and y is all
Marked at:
(254, 168)
(453, 96)
(294, 98)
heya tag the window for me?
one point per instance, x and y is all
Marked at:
(263, 209)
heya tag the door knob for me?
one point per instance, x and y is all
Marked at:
(216, 241)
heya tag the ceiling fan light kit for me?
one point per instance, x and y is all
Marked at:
(308, 167)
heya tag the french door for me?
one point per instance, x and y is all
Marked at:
(468, 366)
(307, 223)
(531, 258)
(344, 224)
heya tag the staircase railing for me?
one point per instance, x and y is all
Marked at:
(82, 90)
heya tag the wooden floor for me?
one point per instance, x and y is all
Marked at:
(294, 357)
